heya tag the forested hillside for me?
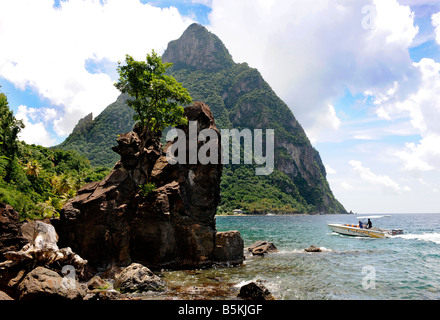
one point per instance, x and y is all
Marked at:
(37, 181)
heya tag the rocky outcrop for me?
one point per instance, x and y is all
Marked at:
(197, 49)
(83, 124)
(148, 210)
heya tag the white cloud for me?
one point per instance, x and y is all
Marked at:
(346, 186)
(34, 132)
(417, 99)
(329, 169)
(424, 156)
(310, 52)
(324, 122)
(436, 23)
(382, 180)
(207, 3)
(46, 48)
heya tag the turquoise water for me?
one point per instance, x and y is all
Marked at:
(402, 267)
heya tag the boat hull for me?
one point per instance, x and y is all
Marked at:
(355, 231)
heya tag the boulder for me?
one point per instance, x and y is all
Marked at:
(255, 291)
(228, 248)
(313, 248)
(11, 238)
(42, 283)
(137, 278)
(262, 247)
(115, 222)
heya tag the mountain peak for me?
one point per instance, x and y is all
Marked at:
(198, 49)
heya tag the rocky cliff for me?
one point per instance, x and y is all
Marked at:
(170, 224)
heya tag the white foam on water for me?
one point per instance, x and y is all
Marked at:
(323, 249)
(428, 237)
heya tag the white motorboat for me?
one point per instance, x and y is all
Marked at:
(373, 232)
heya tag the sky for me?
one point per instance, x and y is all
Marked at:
(361, 76)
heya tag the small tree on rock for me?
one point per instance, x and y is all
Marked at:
(155, 96)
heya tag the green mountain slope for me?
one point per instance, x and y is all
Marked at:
(239, 98)
(95, 138)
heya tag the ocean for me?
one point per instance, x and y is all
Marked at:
(404, 267)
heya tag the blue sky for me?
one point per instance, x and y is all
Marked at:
(362, 77)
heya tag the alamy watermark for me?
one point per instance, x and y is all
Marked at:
(230, 144)
(369, 281)
(69, 279)
(369, 20)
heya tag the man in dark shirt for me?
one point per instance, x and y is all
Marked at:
(369, 224)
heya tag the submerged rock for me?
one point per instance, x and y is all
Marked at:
(262, 247)
(255, 291)
(313, 248)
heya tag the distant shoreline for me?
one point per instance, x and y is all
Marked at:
(279, 214)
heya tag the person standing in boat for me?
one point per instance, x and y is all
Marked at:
(369, 224)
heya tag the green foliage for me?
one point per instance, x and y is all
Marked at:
(155, 96)
(44, 179)
(35, 180)
(9, 130)
(275, 193)
(147, 188)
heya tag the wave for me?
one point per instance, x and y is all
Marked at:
(428, 237)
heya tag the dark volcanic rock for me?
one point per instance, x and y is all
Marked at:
(11, 238)
(114, 222)
(228, 247)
